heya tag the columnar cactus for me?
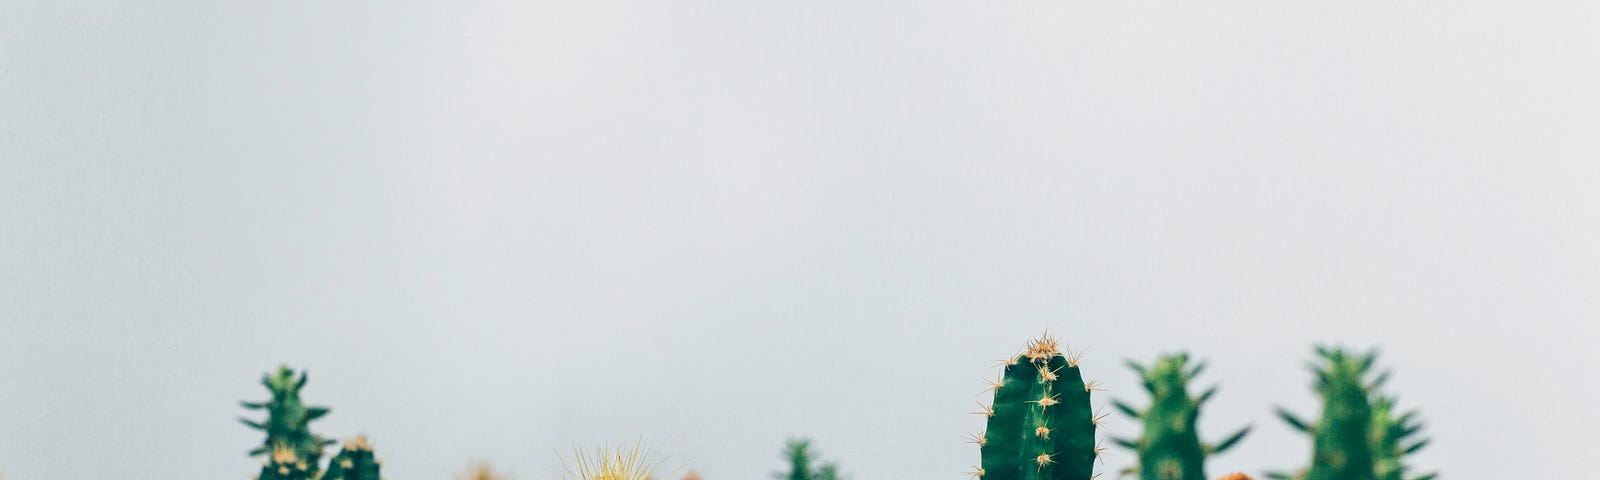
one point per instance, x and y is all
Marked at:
(1040, 424)
(1170, 448)
(1343, 436)
(1391, 440)
(354, 462)
(288, 420)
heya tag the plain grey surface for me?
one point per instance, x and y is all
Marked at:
(490, 229)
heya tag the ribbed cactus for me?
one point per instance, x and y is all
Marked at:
(354, 462)
(288, 420)
(1040, 424)
(1391, 440)
(1170, 448)
(285, 464)
(1343, 436)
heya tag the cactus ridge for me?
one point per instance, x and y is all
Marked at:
(1170, 448)
(1040, 424)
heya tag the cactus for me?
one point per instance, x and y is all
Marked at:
(1342, 437)
(285, 464)
(354, 462)
(481, 471)
(606, 463)
(1390, 440)
(1170, 448)
(1040, 424)
(797, 451)
(288, 420)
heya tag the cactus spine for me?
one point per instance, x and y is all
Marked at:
(1343, 440)
(1040, 424)
(288, 421)
(354, 462)
(1170, 448)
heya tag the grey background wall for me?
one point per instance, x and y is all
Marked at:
(490, 229)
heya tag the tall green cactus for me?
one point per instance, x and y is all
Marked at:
(1040, 424)
(1343, 447)
(288, 421)
(1170, 448)
(354, 462)
(1391, 440)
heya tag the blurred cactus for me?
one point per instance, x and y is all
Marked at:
(288, 420)
(802, 463)
(1040, 425)
(481, 471)
(285, 464)
(607, 463)
(1170, 448)
(1235, 476)
(1342, 438)
(1391, 436)
(691, 475)
(354, 462)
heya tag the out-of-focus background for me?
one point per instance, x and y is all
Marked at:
(494, 229)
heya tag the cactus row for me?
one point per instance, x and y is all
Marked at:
(1039, 425)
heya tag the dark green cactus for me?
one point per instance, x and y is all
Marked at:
(1040, 424)
(354, 462)
(1170, 448)
(285, 464)
(801, 459)
(1391, 440)
(288, 420)
(1343, 436)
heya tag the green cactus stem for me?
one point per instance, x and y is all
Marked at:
(354, 462)
(1170, 448)
(288, 420)
(1342, 438)
(1040, 424)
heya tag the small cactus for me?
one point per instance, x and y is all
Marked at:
(605, 463)
(288, 420)
(481, 471)
(1040, 424)
(1170, 448)
(354, 462)
(797, 452)
(1342, 437)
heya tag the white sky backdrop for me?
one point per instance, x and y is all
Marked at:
(490, 229)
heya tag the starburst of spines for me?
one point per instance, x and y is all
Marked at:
(609, 463)
(1036, 420)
